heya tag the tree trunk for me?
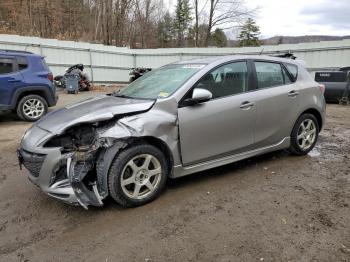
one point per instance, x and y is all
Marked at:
(210, 23)
(196, 23)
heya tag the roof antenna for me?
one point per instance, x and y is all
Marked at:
(262, 50)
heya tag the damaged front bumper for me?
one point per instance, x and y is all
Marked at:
(87, 193)
(63, 176)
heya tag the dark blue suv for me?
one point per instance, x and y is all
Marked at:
(25, 84)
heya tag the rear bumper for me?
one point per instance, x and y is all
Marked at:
(52, 101)
(56, 98)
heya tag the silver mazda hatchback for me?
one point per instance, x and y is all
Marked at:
(179, 119)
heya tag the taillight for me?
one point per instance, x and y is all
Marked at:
(322, 88)
(50, 77)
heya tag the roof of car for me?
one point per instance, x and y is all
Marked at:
(16, 53)
(215, 59)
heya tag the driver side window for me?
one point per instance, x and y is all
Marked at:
(229, 79)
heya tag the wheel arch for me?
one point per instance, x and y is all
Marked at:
(161, 145)
(316, 114)
(40, 91)
(106, 156)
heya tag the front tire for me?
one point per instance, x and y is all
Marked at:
(304, 135)
(31, 108)
(137, 175)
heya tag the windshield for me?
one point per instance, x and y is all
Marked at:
(162, 82)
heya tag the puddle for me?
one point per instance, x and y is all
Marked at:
(314, 152)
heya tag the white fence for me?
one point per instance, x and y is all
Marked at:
(109, 64)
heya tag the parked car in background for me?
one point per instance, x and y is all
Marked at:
(336, 84)
(25, 84)
(179, 119)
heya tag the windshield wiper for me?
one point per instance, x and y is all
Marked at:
(117, 94)
(123, 96)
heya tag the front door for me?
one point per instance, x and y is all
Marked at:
(225, 124)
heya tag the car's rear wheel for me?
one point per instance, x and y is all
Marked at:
(304, 135)
(137, 175)
(31, 108)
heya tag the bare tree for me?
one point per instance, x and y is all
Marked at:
(146, 20)
(137, 23)
(122, 17)
(196, 15)
(226, 14)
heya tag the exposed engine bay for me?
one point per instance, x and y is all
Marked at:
(74, 138)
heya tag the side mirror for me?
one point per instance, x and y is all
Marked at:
(200, 95)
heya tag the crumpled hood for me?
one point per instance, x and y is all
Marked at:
(91, 110)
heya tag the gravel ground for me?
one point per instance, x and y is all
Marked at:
(275, 207)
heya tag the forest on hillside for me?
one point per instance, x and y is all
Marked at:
(133, 23)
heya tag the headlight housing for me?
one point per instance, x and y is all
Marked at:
(74, 138)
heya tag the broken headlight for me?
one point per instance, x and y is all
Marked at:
(74, 138)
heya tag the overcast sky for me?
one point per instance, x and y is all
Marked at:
(303, 17)
(300, 17)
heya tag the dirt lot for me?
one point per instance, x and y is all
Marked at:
(275, 207)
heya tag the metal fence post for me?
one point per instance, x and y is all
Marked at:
(91, 66)
(41, 50)
(134, 60)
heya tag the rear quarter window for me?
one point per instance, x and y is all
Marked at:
(22, 63)
(293, 70)
(325, 77)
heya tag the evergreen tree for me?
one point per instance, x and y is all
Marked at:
(249, 35)
(218, 38)
(166, 31)
(182, 20)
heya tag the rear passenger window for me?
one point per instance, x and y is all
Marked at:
(6, 66)
(293, 70)
(226, 80)
(269, 74)
(22, 63)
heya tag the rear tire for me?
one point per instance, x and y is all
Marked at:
(31, 108)
(304, 135)
(137, 175)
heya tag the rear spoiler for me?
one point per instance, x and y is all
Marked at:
(286, 55)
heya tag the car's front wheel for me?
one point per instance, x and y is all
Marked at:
(31, 108)
(304, 135)
(137, 175)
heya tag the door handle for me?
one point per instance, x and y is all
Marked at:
(293, 93)
(246, 105)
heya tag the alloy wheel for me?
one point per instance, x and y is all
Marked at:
(141, 176)
(33, 108)
(306, 134)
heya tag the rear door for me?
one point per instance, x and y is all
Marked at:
(277, 101)
(10, 79)
(225, 124)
